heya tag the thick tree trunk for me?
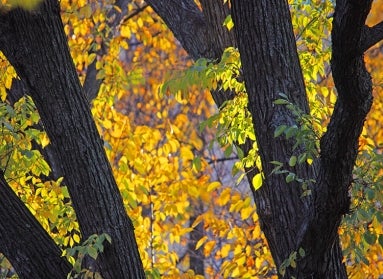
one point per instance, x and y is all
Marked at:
(271, 66)
(289, 221)
(36, 46)
(24, 241)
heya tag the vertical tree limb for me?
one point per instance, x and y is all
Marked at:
(35, 44)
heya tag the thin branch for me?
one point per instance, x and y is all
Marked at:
(135, 12)
(213, 161)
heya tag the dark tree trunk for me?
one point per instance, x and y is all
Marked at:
(196, 256)
(270, 65)
(36, 46)
(24, 241)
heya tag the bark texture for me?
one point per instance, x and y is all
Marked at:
(200, 32)
(36, 46)
(270, 65)
(24, 241)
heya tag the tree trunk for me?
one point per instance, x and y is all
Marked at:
(196, 256)
(270, 65)
(36, 46)
(289, 221)
(24, 241)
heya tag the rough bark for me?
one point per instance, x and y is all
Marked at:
(196, 256)
(200, 32)
(23, 240)
(339, 146)
(36, 46)
(187, 23)
(271, 66)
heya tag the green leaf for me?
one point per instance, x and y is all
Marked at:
(240, 153)
(290, 177)
(291, 131)
(281, 102)
(283, 95)
(108, 237)
(228, 22)
(277, 163)
(240, 178)
(301, 252)
(26, 5)
(292, 161)
(380, 240)
(92, 252)
(370, 194)
(228, 151)
(302, 158)
(363, 215)
(197, 163)
(379, 216)
(370, 238)
(279, 130)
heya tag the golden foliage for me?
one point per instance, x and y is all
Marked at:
(162, 164)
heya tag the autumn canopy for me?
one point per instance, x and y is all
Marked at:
(191, 139)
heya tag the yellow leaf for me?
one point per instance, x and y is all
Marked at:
(125, 31)
(91, 58)
(44, 140)
(208, 247)
(117, 8)
(197, 221)
(107, 124)
(124, 44)
(200, 242)
(257, 181)
(76, 238)
(212, 186)
(236, 272)
(246, 212)
(8, 82)
(86, 11)
(27, 5)
(224, 197)
(174, 145)
(258, 262)
(186, 153)
(225, 250)
(140, 23)
(3, 94)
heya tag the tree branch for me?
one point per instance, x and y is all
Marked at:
(215, 14)
(91, 83)
(371, 36)
(339, 145)
(200, 32)
(24, 242)
(188, 24)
